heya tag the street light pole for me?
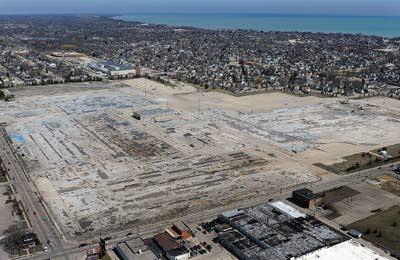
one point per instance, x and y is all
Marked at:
(145, 87)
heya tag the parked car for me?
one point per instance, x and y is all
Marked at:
(354, 233)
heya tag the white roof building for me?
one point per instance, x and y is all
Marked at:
(349, 250)
(287, 209)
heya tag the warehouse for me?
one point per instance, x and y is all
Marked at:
(171, 248)
(306, 198)
(153, 113)
(275, 231)
(349, 250)
(114, 70)
(135, 249)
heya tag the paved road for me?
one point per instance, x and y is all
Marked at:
(26, 193)
(61, 250)
(274, 194)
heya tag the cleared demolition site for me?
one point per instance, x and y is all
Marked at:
(114, 157)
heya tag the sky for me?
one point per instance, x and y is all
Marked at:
(315, 7)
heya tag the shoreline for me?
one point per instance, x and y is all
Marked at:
(271, 23)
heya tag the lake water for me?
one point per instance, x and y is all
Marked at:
(381, 26)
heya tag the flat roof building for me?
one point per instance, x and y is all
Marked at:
(275, 231)
(165, 241)
(124, 252)
(349, 250)
(171, 248)
(153, 113)
(306, 198)
(113, 69)
(94, 251)
(135, 249)
(180, 228)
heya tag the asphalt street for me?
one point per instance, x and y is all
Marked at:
(60, 249)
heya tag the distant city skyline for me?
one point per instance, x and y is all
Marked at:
(302, 7)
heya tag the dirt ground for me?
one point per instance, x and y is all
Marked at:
(102, 171)
(371, 199)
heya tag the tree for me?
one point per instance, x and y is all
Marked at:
(12, 243)
(379, 234)
(368, 231)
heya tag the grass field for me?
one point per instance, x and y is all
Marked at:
(391, 184)
(338, 194)
(362, 161)
(393, 150)
(383, 229)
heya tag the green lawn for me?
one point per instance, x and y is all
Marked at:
(383, 227)
(362, 161)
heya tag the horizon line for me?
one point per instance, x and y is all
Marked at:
(116, 14)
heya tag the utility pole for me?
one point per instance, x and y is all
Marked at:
(198, 106)
(292, 141)
(145, 87)
(238, 120)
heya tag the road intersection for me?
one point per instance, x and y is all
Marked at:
(61, 249)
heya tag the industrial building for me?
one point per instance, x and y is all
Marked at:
(181, 229)
(135, 249)
(172, 249)
(306, 198)
(114, 70)
(95, 251)
(153, 113)
(274, 231)
(349, 250)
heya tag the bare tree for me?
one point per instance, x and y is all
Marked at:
(12, 243)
